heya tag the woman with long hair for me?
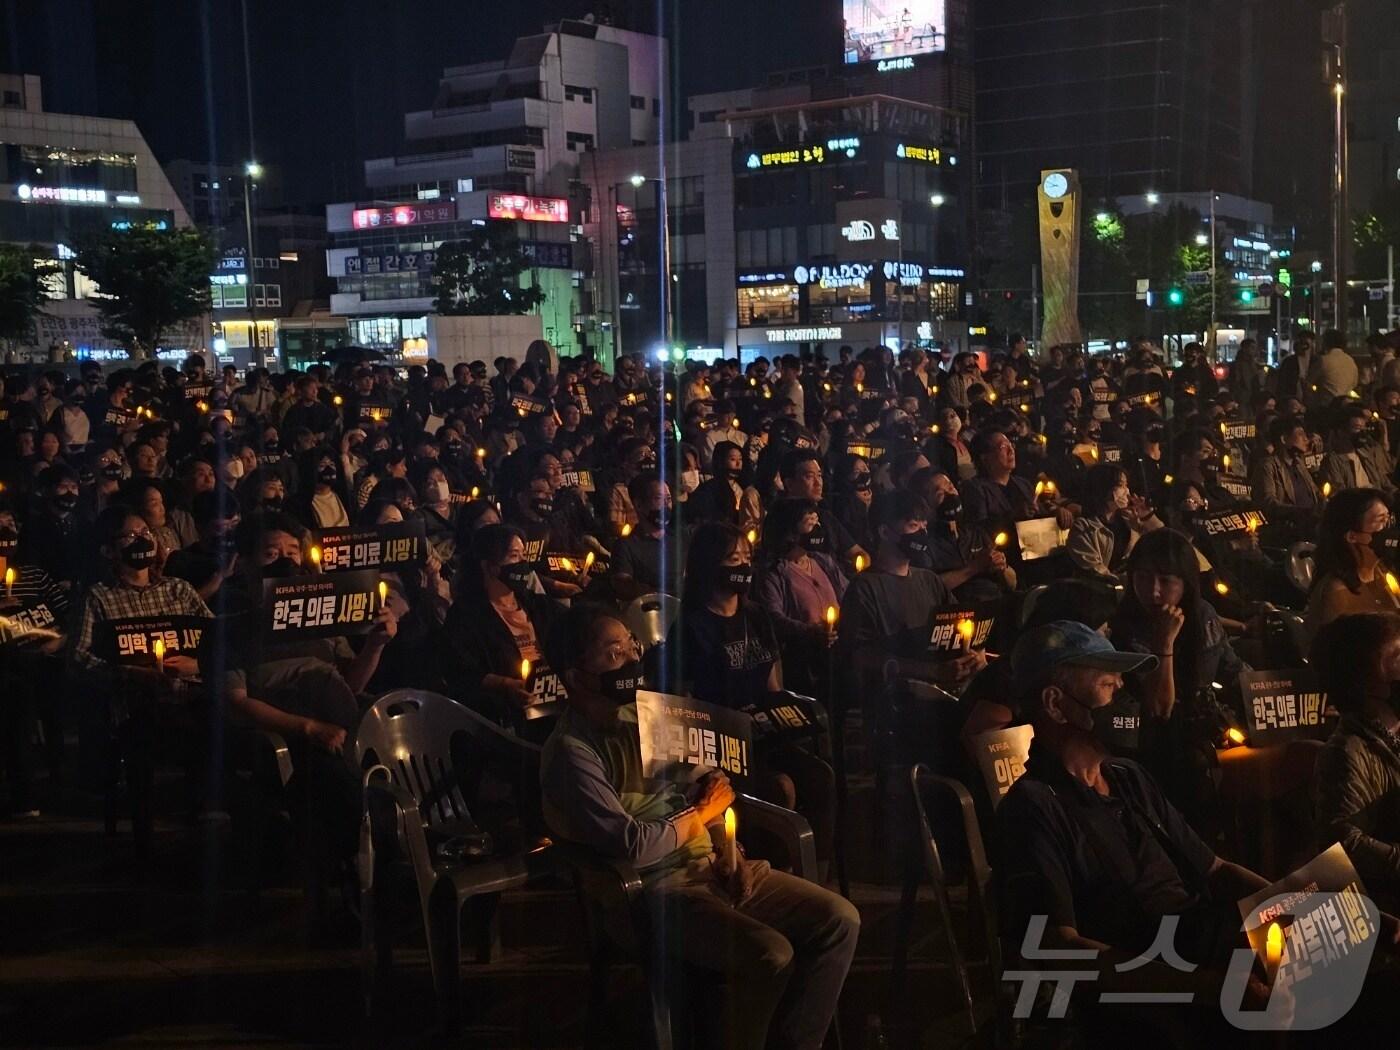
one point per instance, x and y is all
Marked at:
(1162, 613)
(797, 581)
(724, 650)
(1103, 536)
(1348, 576)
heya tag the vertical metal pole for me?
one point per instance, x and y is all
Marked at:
(669, 303)
(256, 357)
(1214, 287)
(1035, 306)
(1339, 171)
(1390, 286)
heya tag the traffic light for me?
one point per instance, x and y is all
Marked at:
(1246, 295)
(1175, 297)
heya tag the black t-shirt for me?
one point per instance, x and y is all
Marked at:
(727, 660)
(1108, 866)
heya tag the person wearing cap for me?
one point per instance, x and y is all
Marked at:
(1090, 842)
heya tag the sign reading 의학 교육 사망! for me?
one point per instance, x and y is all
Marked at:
(683, 738)
(957, 627)
(131, 642)
(321, 605)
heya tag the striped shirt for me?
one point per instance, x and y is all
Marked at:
(34, 608)
(118, 601)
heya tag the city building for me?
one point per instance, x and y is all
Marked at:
(1373, 100)
(63, 176)
(285, 282)
(1135, 97)
(501, 144)
(828, 206)
(213, 193)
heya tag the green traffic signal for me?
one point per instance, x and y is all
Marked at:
(1175, 297)
(1246, 295)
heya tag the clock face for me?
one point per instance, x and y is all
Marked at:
(1056, 185)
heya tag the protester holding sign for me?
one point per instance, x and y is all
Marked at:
(496, 623)
(1357, 781)
(755, 927)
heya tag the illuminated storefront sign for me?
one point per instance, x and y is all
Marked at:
(842, 275)
(910, 274)
(927, 154)
(802, 335)
(63, 195)
(886, 65)
(228, 278)
(530, 209)
(833, 149)
(865, 230)
(763, 277)
(402, 215)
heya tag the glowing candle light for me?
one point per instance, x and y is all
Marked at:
(159, 649)
(860, 388)
(1039, 489)
(314, 553)
(1326, 489)
(1221, 587)
(1273, 949)
(1225, 462)
(830, 617)
(1167, 479)
(475, 492)
(337, 400)
(1001, 540)
(736, 424)
(731, 839)
(524, 670)
(1094, 451)
(933, 429)
(860, 563)
(1391, 583)
(626, 530)
(1234, 736)
(383, 593)
(588, 562)
(480, 453)
(751, 535)
(567, 564)
(10, 582)
(965, 628)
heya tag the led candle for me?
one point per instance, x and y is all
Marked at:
(731, 840)
(10, 582)
(965, 628)
(159, 650)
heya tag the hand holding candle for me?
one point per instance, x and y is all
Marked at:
(383, 594)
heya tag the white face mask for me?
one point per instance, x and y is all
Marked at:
(689, 480)
(235, 469)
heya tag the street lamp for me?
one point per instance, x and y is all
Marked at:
(637, 180)
(937, 200)
(1153, 199)
(1202, 239)
(252, 171)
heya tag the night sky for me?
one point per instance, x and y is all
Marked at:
(332, 80)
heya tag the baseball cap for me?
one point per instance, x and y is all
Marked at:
(1045, 648)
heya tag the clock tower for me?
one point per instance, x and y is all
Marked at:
(1058, 197)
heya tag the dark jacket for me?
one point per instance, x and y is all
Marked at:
(1357, 791)
(475, 642)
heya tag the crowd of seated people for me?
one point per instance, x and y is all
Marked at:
(1123, 534)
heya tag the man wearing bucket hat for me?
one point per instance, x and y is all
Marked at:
(1089, 841)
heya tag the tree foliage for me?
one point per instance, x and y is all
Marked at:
(150, 280)
(22, 292)
(480, 275)
(1372, 233)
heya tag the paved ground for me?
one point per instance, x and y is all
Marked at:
(94, 951)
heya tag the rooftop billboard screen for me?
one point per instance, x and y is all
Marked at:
(893, 32)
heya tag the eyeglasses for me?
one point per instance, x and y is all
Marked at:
(127, 537)
(628, 650)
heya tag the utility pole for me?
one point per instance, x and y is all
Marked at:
(1214, 291)
(1334, 36)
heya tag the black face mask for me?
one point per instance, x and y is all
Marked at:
(815, 541)
(862, 483)
(517, 575)
(660, 518)
(326, 475)
(737, 580)
(272, 503)
(621, 686)
(112, 471)
(949, 507)
(9, 541)
(271, 448)
(280, 568)
(914, 546)
(543, 507)
(65, 502)
(140, 553)
(452, 451)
